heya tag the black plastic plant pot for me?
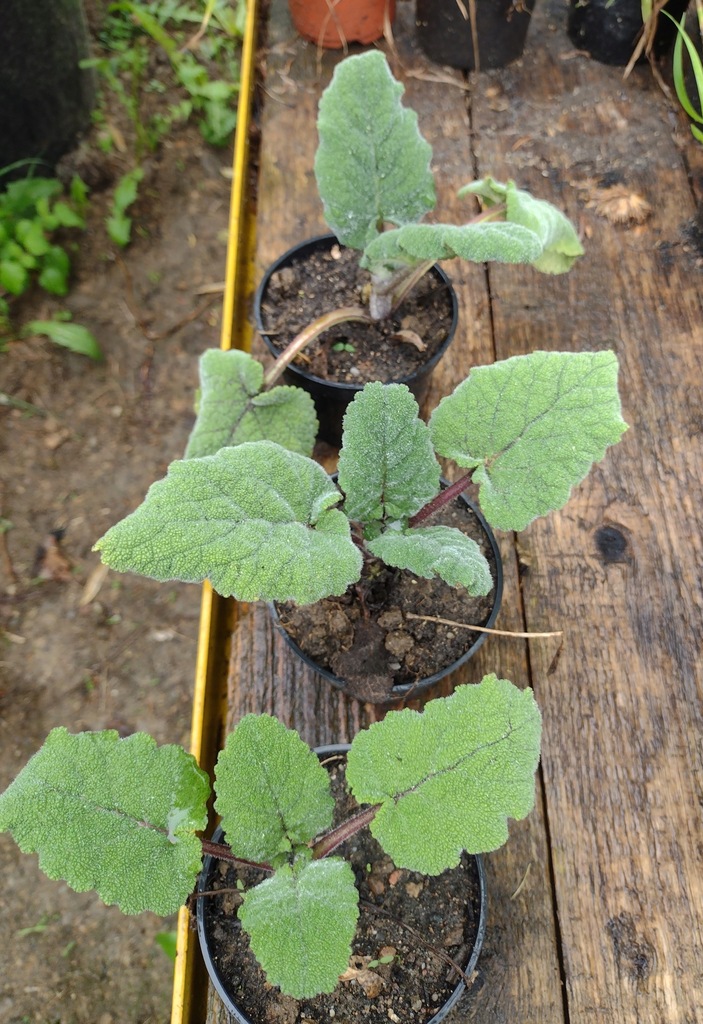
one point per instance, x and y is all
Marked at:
(445, 32)
(332, 397)
(608, 30)
(410, 691)
(205, 885)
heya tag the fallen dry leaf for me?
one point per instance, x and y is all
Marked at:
(370, 981)
(620, 205)
(412, 338)
(50, 562)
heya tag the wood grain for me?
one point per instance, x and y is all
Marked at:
(619, 568)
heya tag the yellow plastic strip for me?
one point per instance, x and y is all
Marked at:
(189, 981)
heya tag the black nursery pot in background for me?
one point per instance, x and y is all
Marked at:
(209, 939)
(445, 31)
(608, 30)
(332, 397)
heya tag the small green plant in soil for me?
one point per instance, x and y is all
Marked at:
(199, 80)
(122, 816)
(204, 65)
(35, 217)
(262, 522)
(373, 174)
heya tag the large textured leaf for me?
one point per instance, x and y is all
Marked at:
(436, 551)
(372, 163)
(301, 923)
(387, 468)
(533, 426)
(480, 243)
(272, 792)
(117, 816)
(256, 520)
(449, 778)
(233, 409)
(557, 235)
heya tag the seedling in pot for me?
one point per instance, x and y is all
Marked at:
(374, 178)
(122, 816)
(264, 523)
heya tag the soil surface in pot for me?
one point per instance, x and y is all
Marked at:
(366, 636)
(324, 281)
(443, 913)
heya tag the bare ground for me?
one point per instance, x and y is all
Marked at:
(77, 649)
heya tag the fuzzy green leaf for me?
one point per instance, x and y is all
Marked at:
(436, 551)
(372, 164)
(301, 923)
(480, 243)
(533, 426)
(256, 520)
(449, 778)
(557, 235)
(117, 816)
(387, 468)
(233, 408)
(272, 792)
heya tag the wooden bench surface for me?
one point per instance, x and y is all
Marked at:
(596, 903)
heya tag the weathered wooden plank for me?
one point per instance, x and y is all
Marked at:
(619, 569)
(264, 676)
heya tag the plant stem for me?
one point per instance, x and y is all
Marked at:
(328, 843)
(223, 852)
(343, 315)
(442, 499)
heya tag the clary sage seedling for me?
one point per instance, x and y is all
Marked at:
(374, 179)
(264, 523)
(122, 816)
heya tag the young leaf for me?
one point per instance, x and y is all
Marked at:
(387, 468)
(301, 922)
(557, 235)
(456, 773)
(372, 163)
(272, 792)
(72, 336)
(256, 520)
(234, 410)
(436, 551)
(533, 426)
(117, 816)
(13, 277)
(480, 243)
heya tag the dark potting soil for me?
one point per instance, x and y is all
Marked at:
(366, 636)
(324, 281)
(443, 911)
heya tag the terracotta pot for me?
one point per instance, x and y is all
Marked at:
(446, 34)
(334, 23)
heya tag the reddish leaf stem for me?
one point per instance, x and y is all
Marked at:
(328, 843)
(222, 852)
(442, 499)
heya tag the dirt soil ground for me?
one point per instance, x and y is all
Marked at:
(78, 647)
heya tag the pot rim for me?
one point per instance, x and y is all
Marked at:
(402, 690)
(240, 1017)
(320, 242)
